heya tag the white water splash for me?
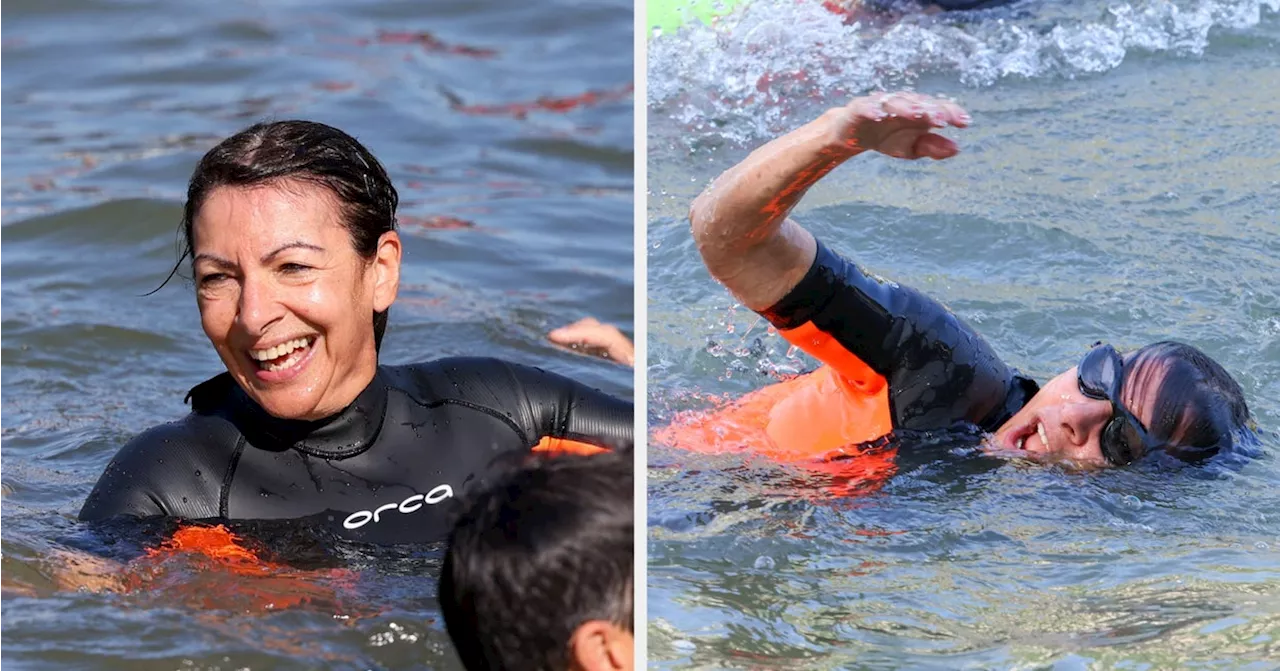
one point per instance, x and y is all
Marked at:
(743, 77)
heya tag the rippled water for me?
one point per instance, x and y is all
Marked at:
(1116, 185)
(507, 129)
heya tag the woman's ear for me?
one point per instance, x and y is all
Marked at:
(386, 268)
(598, 645)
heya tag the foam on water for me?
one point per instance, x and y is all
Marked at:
(744, 76)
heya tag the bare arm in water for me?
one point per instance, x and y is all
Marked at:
(740, 222)
(595, 337)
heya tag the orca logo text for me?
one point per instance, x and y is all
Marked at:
(412, 504)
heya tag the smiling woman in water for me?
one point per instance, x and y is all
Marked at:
(291, 230)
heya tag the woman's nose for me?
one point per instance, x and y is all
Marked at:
(1081, 419)
(259, 306)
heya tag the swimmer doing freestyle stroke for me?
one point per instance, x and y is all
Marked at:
(894, 358)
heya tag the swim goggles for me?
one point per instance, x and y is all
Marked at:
(1100, 374)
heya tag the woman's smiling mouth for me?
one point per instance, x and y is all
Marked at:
(278, 362)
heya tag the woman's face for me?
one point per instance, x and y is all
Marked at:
(286, 300)
(1062, 424)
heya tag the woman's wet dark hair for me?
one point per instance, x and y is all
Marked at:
(1200, 408)
(309, 152)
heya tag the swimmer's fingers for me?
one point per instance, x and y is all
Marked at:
(896, 124)
(935, 112)
(76, 570)
(570, 332)
(955, 114)
(591, 333)
(935, 147)
(10, 587)
(907, 106)
(913, 145)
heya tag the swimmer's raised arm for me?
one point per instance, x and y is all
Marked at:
(740, 222)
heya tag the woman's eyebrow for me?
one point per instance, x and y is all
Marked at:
(215, 260)
(297, 244)
(266, 258)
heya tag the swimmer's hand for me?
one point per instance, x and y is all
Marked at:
(741, 222)
(67, 569)
(597, 338)
(75, 570)
(899, 125)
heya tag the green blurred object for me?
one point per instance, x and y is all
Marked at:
(668, 15)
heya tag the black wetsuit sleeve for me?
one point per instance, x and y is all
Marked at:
(535, 403)
(167, 470)
(939, 370)
(558, 407)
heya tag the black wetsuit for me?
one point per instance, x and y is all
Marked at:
(385, 470)
(940, 372)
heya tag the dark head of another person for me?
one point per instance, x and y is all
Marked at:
(538, 574)
(1112, 410)
(291, 231)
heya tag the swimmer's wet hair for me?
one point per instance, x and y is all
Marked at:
(1200, 409)
(546, 549)
(309, 152)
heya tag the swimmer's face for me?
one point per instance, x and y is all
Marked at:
(1062, 424)
(285, 298)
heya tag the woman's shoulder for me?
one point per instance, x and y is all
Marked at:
(191, 438)
(193, 434)
(175, 468)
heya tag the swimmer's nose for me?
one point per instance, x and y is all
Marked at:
(259, 306)
(1080, 420)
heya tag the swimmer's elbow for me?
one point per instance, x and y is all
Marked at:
(701, 217)
(714, 244)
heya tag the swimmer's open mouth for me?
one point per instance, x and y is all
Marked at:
(1037, 429)
(283, 356)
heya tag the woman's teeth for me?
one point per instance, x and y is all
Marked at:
(1044, 437)
(281, 356)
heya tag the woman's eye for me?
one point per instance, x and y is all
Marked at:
(212, 278)
(293, 267)
(1114, 446)
(1120, 443)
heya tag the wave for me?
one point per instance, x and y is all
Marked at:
(744, 75)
